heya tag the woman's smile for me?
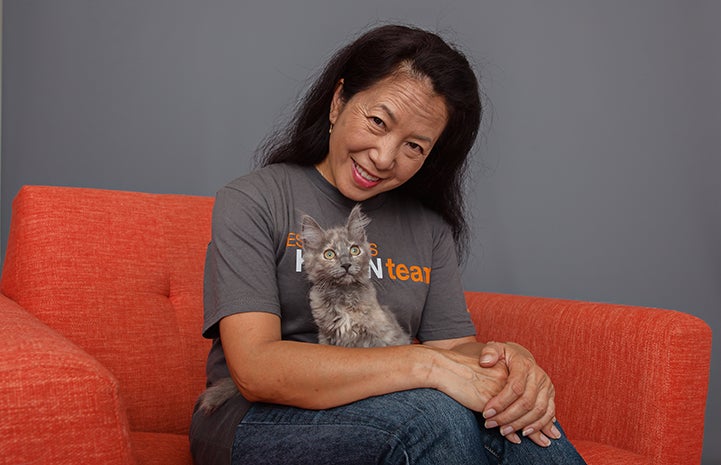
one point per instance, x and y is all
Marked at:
(363, 178)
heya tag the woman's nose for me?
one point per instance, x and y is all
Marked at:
(383, 157)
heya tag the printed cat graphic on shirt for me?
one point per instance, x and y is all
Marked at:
(342, 296)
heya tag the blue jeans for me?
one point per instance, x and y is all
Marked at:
(419, 427)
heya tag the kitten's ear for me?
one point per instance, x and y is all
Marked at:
(357, 222)
(310, 232)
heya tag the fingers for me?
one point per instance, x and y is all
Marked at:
(542, 438)
(526, 404)
(538, 417)
(534, 424)
(515, 399)
(491, 353)
(541, 430)
(551, 430)
(531, 412)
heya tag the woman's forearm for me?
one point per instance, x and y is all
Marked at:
(266, 368)
(317, 376)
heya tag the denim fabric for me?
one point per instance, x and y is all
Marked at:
(419, 427)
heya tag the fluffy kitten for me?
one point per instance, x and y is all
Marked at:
(342, 296)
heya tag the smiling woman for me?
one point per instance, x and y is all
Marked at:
(389, 124)
(406, 54)
(382, 135)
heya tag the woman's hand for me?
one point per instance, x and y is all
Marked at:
(526, 403)
(461, 377)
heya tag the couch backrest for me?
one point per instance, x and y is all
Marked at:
(120, 274)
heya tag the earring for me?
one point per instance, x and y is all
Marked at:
(330, 130)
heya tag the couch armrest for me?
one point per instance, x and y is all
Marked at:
(631, 377)
(57, 404)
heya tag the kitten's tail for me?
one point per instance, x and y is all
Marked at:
(216, 395)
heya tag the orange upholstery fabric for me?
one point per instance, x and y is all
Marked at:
(120, 276)
(630, 378)
(101, 357)
(56, 401)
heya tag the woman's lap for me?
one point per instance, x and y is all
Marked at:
(421, 426)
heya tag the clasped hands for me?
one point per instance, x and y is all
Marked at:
(526, 402)
(504, 382)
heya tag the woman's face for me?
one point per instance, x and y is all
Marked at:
(382, 135)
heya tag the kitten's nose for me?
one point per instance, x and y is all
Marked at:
(346, 266)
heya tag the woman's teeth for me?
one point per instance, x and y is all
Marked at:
(365, 174)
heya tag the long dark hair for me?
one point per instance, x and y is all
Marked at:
(373, 56)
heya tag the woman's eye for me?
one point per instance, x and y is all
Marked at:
(355, 250)
(329, 254)
(377, 121)
(417, 149)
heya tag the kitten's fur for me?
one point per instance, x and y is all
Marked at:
(342, 297)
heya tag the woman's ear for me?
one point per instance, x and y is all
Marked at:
(336, 105)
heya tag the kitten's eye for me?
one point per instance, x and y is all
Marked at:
(329, 254)
(355, 250)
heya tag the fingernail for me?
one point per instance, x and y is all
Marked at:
(486, 359)
(489, 413)
(490, 424)
(527, 431)
(546, 442)
(506, 430)
(514, 438)
(554, 431)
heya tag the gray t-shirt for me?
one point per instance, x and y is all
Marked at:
(254, 264)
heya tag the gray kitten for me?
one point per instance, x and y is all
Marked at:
(342, 297)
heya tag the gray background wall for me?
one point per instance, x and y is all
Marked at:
(598, 178)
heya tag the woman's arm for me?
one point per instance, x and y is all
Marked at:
(526, 402)
(266, 368)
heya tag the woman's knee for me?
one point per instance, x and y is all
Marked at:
(438, 428)
(441, 412)
(560, 451)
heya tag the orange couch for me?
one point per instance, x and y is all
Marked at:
(101, 357)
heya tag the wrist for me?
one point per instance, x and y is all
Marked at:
(425, 366)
